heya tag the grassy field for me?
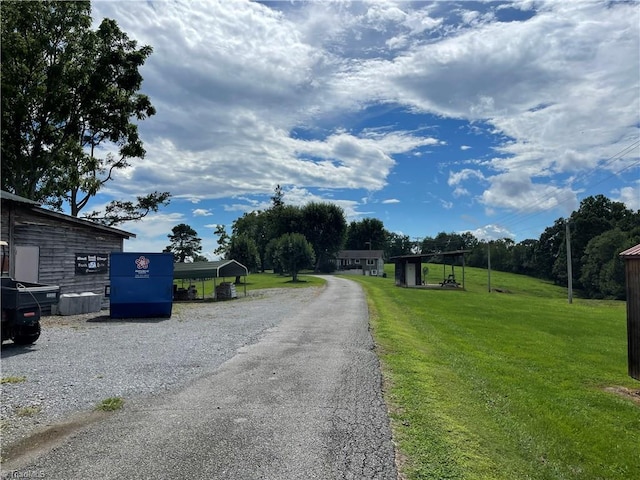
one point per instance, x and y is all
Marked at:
(512, 385)
(255, 281)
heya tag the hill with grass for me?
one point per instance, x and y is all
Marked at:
(516, 383)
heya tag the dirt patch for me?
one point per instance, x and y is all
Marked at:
(47, 438)
(625, 392)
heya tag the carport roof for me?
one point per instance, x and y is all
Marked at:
(452, 253)
(217, 269)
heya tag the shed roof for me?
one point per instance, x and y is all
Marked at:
(16, 198)
(217, 269)
(36, 208)
(631, 252)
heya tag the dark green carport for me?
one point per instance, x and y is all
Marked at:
(204, 270)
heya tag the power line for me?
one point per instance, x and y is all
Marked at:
(507, 219)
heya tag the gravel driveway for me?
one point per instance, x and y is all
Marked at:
(319, 414)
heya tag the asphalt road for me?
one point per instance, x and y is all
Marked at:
(305, 402)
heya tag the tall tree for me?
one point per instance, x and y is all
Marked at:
(284, 219)
(223, 242)
(277, 200)
(325, 227)
(185, 243)
(243, 249)
(596, 215)
(366, 234)
(68, 93)
(603, 274)
(397, 244)
(254, 225)
(550, 244)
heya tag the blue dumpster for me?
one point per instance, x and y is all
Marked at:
(141, 284)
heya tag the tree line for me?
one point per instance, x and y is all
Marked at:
(598, 230)
(288, 238)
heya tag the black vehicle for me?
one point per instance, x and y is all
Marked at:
(22, 304)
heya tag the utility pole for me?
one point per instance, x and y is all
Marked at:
(489, 263)
(569, 267)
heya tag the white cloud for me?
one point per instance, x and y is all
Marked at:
(202, 212)
(516, 191)
(460, 192)
(630, 196)
(232, 81)
(151, 232)
(491, 232)
(391, 200)
(455, 178)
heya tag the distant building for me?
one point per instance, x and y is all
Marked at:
(361, 262)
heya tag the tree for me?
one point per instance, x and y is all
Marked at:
(367, 234)
(243, 249)
(284, 219)
(255, 226)
(595, 216)
(294, 253)
(277, 200)
(118, 211)
(397, 245)
(324, 227)
(68, 93)
(223, 242)
(185, 243)
(549, 246)
(603, 274)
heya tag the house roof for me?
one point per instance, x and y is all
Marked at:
(217, 269)
(347, 254)
(36, 208)
(631, 252)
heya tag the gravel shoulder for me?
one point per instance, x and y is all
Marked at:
(80, 360)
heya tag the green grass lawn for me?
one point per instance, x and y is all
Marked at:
(506, 385)
(254, 281)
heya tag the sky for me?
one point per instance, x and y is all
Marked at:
(491, 117)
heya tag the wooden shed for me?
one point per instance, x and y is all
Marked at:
(57, 249)
(632, 273)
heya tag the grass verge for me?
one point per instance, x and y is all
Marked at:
(110, 404)
(4, 380)
(505, 385)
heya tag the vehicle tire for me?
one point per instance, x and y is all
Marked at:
(27, 336)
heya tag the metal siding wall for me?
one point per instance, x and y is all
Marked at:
(632, 269)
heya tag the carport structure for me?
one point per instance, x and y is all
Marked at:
(409, 271)
(205, 270)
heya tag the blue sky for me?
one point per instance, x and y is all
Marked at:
(490, 117)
